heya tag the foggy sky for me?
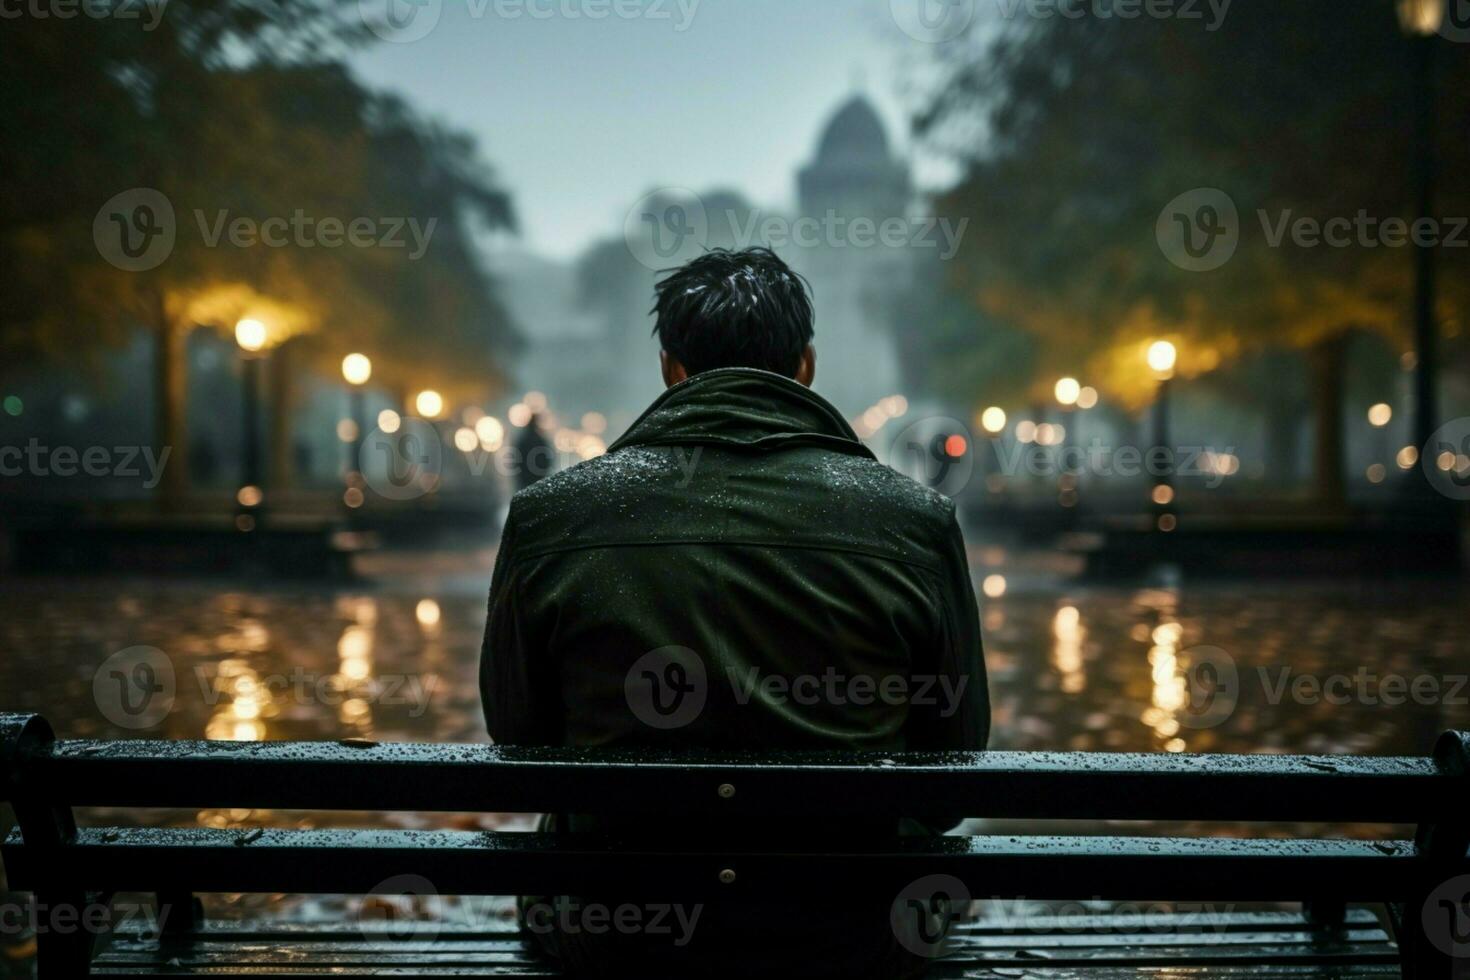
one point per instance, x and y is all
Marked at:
(583, 116)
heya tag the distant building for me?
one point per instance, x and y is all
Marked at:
(856, 283)
(854, 173)
(588, 329)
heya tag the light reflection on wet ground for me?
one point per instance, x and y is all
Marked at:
(1071, 667)
(1079, 668)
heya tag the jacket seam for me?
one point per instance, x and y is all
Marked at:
(740, 542)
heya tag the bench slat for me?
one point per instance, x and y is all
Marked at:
(494, 927)
(357, 861)
(340, 950)
(487, 778)
(361, 950)
(942, 971)
(292, 972)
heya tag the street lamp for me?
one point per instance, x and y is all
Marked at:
(1162, 357)
(1379, 416)
(1068, 391)
(1421, 21)
(993, 422)
(429, 403)
(357, 371)
(251, 336)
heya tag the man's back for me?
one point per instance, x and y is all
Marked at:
(738, 571)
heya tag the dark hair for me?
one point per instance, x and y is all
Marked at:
(735, 309)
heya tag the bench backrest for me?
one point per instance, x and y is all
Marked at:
(45, 778)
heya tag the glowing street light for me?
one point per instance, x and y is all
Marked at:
(251, 335)
(429, 403)
(357, 369)
(993, 420)
(1421, 18)
(1162, 356)
(1068, 390)
(1380, 415)
(490, 433)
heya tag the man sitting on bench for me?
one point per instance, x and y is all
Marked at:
(737, 572)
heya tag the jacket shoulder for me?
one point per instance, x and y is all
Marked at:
(625, 470)
(884, 487)
(557, 502)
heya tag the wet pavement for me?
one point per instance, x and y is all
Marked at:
(1356, 667)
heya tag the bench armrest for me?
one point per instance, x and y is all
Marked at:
(18, 733)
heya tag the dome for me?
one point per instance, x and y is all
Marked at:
(855, 132)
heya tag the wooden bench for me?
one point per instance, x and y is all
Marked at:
(67, 866)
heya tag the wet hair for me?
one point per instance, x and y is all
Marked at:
(734, 309)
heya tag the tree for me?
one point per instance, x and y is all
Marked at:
(1076, 133)
(235, 109)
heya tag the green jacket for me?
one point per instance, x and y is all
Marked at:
(737, 572)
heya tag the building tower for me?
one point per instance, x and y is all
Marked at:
(856, 278)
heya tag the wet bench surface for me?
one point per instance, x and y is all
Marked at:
(1260, 944)
(44, 779)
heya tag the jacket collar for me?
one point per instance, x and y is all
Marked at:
(745, 408)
